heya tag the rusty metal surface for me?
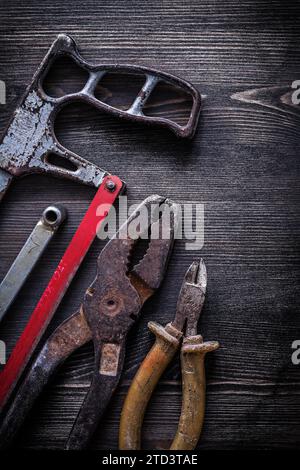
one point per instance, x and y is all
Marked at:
(110, 307)
(30, 141)
(191, 298)
(5, 180)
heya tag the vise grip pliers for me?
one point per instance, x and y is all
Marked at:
(110, 307)
(193, 351)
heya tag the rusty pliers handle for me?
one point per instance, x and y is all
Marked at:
(193, 352)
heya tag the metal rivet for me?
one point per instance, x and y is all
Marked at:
(110, 185)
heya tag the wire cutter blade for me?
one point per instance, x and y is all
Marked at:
(191, 298)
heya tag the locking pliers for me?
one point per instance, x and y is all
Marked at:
(193, 351)
(110, 307)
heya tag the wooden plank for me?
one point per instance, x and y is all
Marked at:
(243, 165)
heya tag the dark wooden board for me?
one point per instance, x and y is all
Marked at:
(243, 165)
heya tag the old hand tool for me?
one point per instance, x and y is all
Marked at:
(51, 219)
(29, 144)
(57, 286)
(193, 351)
(110, 307)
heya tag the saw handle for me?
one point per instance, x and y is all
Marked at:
(65, 45)
(193, 378)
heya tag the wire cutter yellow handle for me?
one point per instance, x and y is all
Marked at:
(191, 419)
(193, 376)
(132, 416)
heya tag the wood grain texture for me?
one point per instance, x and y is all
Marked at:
(243, 165)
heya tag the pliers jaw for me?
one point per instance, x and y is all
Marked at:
(191, 298)
(114, 300)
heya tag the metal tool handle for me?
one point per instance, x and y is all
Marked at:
(190, 424)
(100, 392)
(69, 336)
(166, 344)
(37, 242)
(29, 144)
(66, 45)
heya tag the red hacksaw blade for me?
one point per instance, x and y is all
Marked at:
(56, 288)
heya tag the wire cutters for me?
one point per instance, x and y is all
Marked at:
(193, 351)
(110, 307)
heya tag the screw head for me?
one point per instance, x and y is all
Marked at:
(110, 185)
